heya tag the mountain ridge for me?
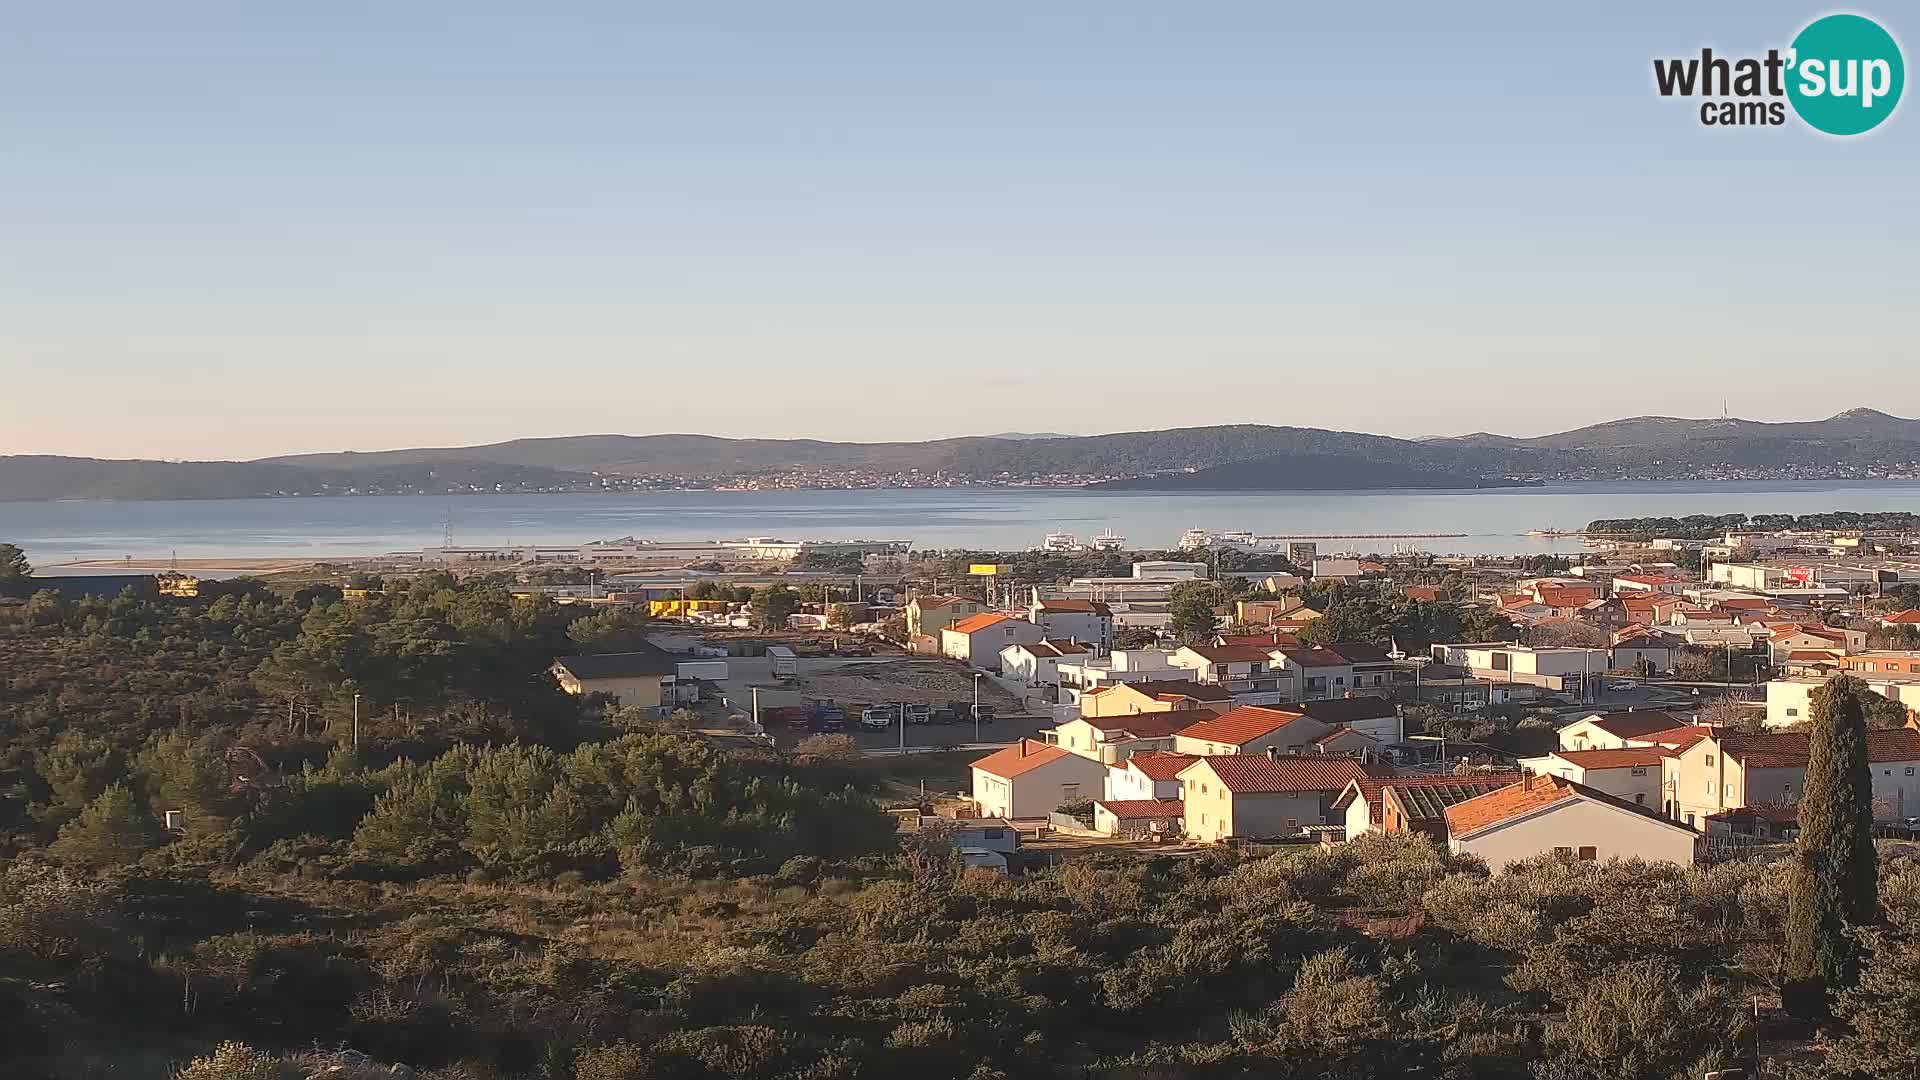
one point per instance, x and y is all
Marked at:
(1860, 441)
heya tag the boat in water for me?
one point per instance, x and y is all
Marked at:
(1060, 542)
(1108, 541)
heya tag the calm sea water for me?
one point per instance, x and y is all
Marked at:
(988, 518)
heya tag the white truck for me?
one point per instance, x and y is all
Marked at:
(785, 664)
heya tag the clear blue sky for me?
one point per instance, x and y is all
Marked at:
(227, 232)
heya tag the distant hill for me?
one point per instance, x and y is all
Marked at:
(1855, 442)
(1301, 472)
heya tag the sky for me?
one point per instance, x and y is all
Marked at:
(228, 231)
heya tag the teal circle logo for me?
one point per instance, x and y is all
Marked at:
(1845, 74)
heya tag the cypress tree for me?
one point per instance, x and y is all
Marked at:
(1834, 882)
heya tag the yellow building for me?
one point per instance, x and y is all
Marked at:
(175, 584)
(643, 677)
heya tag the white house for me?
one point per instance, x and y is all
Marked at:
(1031, 779)
(1113, 739)
(1615, 730)
(1150, 774)
(1634, 774)
(1089, 622)
(1038, 664)
(978, 639)
(1254, 675)
(1543, 814)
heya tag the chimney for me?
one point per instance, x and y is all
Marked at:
(1273, 753)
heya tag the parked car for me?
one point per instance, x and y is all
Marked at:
(1620, 684)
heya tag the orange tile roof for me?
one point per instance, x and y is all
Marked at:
(1134, 809)
(1240, 726)
(1023, 756)
(1421, 797)
(1911, 615)
(975, 623)
(1529, 795)
(1258, 774)
(1160, 764)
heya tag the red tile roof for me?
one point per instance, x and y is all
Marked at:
(975, 623)
(1240, 726)
(1909, 616)
(1427, 593)
(1089, 607)
(1266, 642)
(1632, 756)
(1359, 652)
(1529, 795)
(1231, 654)
(1788, 749)
(1056, 647)
(1023, 756)
(1633, 725)
(1258, 774)
(1151, 725)
(1316, 657)
(1814, 656)
(1136, 809)
(1160, 764)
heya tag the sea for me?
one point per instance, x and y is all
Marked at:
(1490, 521)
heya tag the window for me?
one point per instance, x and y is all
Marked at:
(1909, 770)
(1709, 759)
(1563, 851)
(1203, 819)
(1293, 823)
(1793, 712)
(993, 834)
(1640, 798)
(1069, 792)
(1689, 821)
(1589, 854)
(1639, 770)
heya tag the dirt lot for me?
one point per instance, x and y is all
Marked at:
(933, 682)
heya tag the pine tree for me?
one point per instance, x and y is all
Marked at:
(1835, 879)
(114, 830)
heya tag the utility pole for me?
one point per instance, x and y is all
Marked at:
(976, 706)
(756, 711)
(356, 721)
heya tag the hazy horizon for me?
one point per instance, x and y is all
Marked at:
(233, 233)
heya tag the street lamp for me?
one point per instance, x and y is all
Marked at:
(976, 706)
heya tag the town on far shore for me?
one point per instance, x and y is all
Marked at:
(1646, 698)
